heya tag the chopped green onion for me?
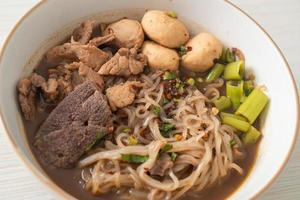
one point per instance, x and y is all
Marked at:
(156, 110)
(235, 91)
(224, 114)
(166, 128)
(131, 158)
(181, 90)
(169, 75)
(236, 123)
(176, 100)
(248, 87)
(243, 98)
(230, 57)
(166, 148)
(215, 73)
(165, 101)
(179, 84)
(223, 55)
(227, 56)
(132, 140)
(234, 70)
(192, 74)
(126, 130)
(251, 136)
(182, 50)
(232, 142)
(173, 156)
(172, 14)
(222, 103)
(99, 136)
(253, 105)
(191, 81)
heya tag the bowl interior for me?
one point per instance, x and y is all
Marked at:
(52, 21)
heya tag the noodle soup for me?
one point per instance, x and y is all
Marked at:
(140, 111)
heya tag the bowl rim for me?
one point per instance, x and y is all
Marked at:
(62, 193)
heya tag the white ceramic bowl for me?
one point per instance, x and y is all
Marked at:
(51, 21)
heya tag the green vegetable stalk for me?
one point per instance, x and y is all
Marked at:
(224, 114)
(235, 92)
(253, 105)
(215, 73)
(236, 123)
(223, 56)
(234, 70)
(222, 103)
(248, 87)
(251, 136)
(229, 55)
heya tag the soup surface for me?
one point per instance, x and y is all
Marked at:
(70, 179)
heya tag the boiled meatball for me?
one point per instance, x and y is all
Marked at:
(129, 33)
(165, 30)
(204, 49)
(160, 57)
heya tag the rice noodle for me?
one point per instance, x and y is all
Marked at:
(204, 154)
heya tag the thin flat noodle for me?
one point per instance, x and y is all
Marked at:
(204, 154)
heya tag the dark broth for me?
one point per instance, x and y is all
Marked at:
(70, 179)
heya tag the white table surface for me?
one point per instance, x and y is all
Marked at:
(281, 18)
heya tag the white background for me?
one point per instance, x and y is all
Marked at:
(281, 18)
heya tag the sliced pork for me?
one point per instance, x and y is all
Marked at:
(88, 54)
(83, 33)
(124, 63)
(123, 94)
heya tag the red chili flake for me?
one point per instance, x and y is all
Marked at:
(137, 88)
(168, 96)
(158, 120)
(204, 126)
(110, 129)
(205, 137)
(169, 110)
